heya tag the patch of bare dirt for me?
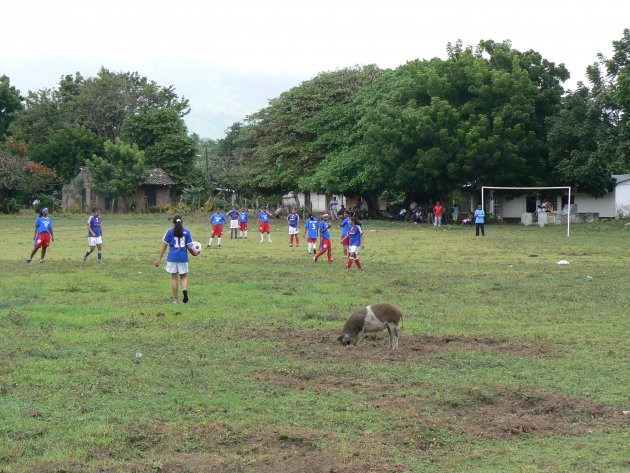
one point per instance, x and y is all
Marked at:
(505, 412)
(323, 346)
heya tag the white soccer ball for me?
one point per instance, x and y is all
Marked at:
(196, 246)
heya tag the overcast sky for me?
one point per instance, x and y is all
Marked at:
(230, 58)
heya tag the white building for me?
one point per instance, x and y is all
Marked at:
(614, 204)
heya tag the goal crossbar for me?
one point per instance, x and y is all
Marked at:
(483, 189)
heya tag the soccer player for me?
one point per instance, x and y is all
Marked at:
(179, 242)
(264, 225)
(242, 221)
(234, 215)
(325, 245)
(310, 230)
(43, 235)
(95, 234)
(345, 225)
(294, 220)
(217, 220)
(356, 240)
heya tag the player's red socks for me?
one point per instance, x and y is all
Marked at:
(349, 262)
(297, 240)
(358, 263)
(291, 240)
(329, 256)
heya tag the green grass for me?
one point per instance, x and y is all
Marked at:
(224, 385)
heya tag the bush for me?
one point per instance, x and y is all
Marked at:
(156, 209)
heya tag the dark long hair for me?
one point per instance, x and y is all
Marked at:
(178, 226)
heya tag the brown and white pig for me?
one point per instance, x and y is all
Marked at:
(373, 318)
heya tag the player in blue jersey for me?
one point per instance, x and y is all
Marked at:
(264, 224)
(345, 226)
(242, 222)
(356, 239)
(179, 242)
(294, 220)
(95, 234)
(325, 244)
(234, 215)
(43, 235)
(217, 219)
(311, 227)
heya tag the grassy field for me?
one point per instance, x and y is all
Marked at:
(507, 361)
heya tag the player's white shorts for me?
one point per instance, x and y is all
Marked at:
(176, 268)
(354, 249)
(294, 230)
(93, 241)
(234, 224)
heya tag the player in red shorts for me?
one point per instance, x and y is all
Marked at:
(310, 230)
(264, 225)
(217, 219)
(43, 235)
(325, 244)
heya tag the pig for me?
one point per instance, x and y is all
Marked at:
(373, 318)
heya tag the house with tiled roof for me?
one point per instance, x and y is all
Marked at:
(156, 190)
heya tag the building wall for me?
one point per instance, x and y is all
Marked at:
(622, 199)
(513, 208)
(604, 206)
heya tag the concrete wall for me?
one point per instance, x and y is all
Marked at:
(622, 199)
(513, 208)
(604, 206)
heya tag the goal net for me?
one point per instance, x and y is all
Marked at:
(490, 189)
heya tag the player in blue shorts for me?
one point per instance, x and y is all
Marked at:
(179, 242)
(95, 234)
(311, 228)
(43, 235)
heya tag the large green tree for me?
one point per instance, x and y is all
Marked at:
(10, 105)
(67, 150)
(589, 139)
(286, 141)
(162, 135)
(118, 172)
(476, 118)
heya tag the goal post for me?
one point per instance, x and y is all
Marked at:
(568, 188)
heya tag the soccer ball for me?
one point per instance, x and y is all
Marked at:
(196, 246)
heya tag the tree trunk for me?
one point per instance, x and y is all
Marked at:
(372, 200)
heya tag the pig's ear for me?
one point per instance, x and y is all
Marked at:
(340, 338)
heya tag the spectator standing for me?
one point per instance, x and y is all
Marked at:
(480, 217)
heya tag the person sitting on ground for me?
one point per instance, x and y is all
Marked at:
(467, 221)
(417, 216)
(401, 215)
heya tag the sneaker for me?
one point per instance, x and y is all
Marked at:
(219, 246)
(29, 260)
(174, 301)
(314, 259)
(208, 246)
(84, 258)
(291, 246)
(185, 299)
(42, 260)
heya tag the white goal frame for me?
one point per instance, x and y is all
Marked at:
(483, 189)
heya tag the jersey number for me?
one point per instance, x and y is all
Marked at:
(180, 242)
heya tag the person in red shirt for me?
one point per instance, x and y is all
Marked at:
(438, 211)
